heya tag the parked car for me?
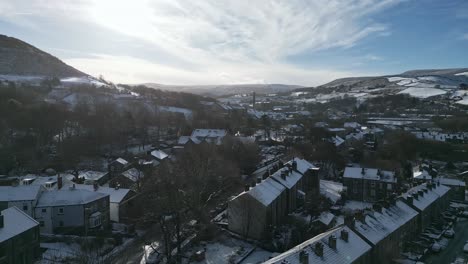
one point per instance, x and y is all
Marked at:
(465, 248)
(436, 248)
(464, 214)
(459, 261)
(449, 233)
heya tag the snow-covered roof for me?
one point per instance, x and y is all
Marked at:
(20, 193)
(303, 165)
(91, 175)
(378, 225)
(159, 154)
(122, 161)
(326, 218)
(345, 252)
(116, 195)
(369, 174)
(133, 174)
(290, 180)
(429, 197)
(331, 190)
(185, 139)
(15, 222)
(338, 141)
(267, 191)
(352, 124)
(422, 175)
(66, 197)
(209, 133)
(451, 182)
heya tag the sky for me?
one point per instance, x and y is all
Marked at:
(186, 42)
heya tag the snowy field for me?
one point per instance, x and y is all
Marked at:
(423, 92)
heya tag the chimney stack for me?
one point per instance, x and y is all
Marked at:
(2, 221)
(246, 187)
(416, 196)
(350, 221)
(304, 257)
(409, 199)
(344, 235)
(253, 184)
(318, 249)
(294, 164)
(59, 182)
(259, 180)
(95, 186)
(283, 175)
(377, 208)
(332, 241)
(421, 193)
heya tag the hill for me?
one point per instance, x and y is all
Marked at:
(223, 90)
(18, 58)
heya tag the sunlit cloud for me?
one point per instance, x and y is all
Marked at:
(216, 41)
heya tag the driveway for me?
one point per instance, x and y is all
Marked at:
(455, 246)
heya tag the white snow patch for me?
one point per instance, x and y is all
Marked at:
(82, 80)
(423, 92)
(462, 74)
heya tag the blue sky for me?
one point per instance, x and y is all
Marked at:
(306, 42)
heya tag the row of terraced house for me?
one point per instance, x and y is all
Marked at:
(375, 235)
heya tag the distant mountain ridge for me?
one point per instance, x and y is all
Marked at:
(228, 89)
(22, 59)
(455, 75)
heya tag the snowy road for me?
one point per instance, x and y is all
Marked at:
(455, 246)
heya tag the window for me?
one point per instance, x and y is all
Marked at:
(372, 192)
(60, 223)
(372, 184)
(355, 189)
(41, 223)
(389, 186)
(25, 207)
(44, 210)
(60, 210)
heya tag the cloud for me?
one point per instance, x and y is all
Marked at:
(245, 40)
(131, 70)
(371, 57)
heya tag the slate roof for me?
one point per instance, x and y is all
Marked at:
(345, 252)
(369, 174)
(422, 202)
(15, 222)
(66, 197)
(115, 195)
(19, 193)
(290, 179)
(378, 225)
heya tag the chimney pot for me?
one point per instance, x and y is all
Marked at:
(409, 199)
(59, 182)
(350, 221)
(345, 235)
(319, 249)
(332, 241)
(304, 257)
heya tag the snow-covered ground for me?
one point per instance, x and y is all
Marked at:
(82, 80)
(464, 101)
(224, 251)
(462, 74)
(422, 92)
(258, 256)
(57, 252)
